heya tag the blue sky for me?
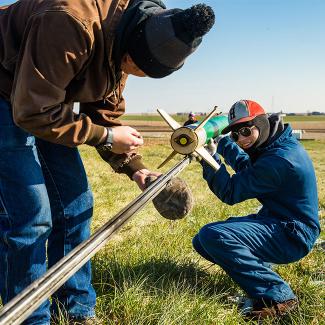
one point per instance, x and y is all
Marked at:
(271, 51)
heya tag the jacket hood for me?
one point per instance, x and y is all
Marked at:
(275, 130)
(283, 132)
(276, 127)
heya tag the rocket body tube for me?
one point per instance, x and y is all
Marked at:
(213, 127)
(186, 139)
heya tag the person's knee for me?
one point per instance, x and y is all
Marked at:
(200, 249)
(210, 233)
(196, 243)
(29, 235)
(214, 238)
(87, 204)
(81, 206)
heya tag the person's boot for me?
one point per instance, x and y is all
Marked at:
(262, 309)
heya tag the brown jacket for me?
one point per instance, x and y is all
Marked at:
(54, 53)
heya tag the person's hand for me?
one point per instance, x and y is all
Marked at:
(211, 147)
(140, 177)
(212, 144)
(195, 157)
(126, 139)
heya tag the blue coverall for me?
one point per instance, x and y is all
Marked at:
(282, 179)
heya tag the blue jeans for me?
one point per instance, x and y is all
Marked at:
(245, 246)
(45, 211)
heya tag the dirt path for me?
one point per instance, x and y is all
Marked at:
(158, 129)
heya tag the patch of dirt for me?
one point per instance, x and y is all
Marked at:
(135, 123)
(308, 125)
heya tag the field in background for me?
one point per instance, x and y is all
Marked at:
(313, 127)
(149, 273)
(182, 118)
(311, 118)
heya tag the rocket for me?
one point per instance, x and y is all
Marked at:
(191, 139)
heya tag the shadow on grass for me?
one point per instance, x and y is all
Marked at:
(163, 281)
(161, 275)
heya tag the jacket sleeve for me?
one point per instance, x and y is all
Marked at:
(255, 181)
(106, 112)
(55, 49)
(125, 163)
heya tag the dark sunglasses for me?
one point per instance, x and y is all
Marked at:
(245, 131)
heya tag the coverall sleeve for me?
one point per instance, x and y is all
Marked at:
(233, 155)
(255, 181)
(49, 60)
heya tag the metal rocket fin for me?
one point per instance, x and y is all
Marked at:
(203, 153)
(169, 120)
(170, 157)
(207, 118)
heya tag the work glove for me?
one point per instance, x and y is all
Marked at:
(212, 144)
(211, 147)
(175, 201)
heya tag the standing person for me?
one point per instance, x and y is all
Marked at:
(54, 53)
(271, 166)
(191, 119)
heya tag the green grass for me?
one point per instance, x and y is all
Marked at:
(149, 274)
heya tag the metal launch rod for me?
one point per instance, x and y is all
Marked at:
(20, 307)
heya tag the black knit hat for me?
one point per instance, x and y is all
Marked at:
(160, 44)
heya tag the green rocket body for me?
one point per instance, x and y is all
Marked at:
(213, 127)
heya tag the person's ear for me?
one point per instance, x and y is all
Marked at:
(128, 66)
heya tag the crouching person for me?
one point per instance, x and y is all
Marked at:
(271, 166)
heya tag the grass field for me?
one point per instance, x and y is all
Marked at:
(149, 274)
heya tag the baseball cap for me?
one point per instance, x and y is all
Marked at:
(243, 111)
